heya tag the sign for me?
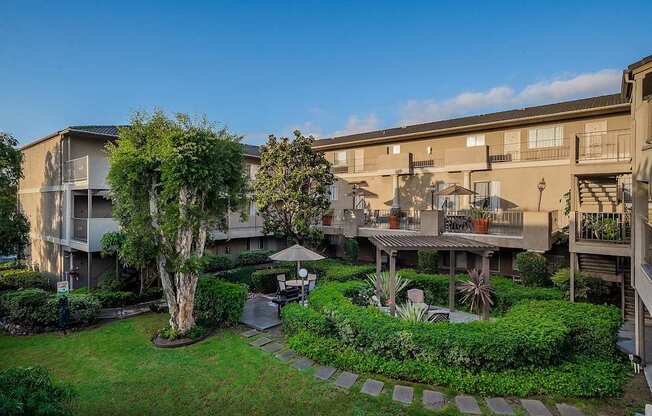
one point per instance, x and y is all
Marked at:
(62, 287)
(303, 273)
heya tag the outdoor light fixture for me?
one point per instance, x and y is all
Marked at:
(541, 186)
(432, 189)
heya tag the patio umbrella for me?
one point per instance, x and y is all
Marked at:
(454, 190)
(297, 253)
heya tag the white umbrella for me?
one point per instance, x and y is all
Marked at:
(297, 253)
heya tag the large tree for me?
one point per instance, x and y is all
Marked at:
(14, 227)
(172, 181)
(291, 187)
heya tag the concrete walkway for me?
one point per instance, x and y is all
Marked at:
(403, 394)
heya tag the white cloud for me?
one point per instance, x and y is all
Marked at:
(583, 85)
(356, 124)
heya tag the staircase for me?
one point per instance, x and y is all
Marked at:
(598, 192)
(629, 297)
(597, 265)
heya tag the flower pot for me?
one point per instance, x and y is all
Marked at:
(327, 219)
(394, 222)
(481, 226)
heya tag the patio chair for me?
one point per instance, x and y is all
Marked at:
(283, 297)
(312, 281)
(281, 282)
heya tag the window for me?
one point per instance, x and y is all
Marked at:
(396, 149)
(227, 250)
(248, 244)
(340, 158)
(512, 144)
(487, 195)
(252, 208)
(477, 140)
(446, 202)
(429, 150)
(332, 192)
(261, 243)
(545, 137)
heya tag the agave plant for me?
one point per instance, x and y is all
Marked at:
(477, 293)
(414, 312)
(401, 283)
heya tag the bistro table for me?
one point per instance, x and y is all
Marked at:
(295, 283)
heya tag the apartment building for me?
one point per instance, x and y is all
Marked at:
(65, 196)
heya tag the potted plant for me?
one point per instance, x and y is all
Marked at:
(480, 219)
(394, 218)
(327, 218)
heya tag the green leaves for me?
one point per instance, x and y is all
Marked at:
(291, 187)
(14, 227)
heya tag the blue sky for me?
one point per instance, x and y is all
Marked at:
(324, 67)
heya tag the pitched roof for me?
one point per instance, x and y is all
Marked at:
(112, 131)
(639, 63)
(542, 110)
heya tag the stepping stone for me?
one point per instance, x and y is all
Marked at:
(499, 406)
(286, 355)
(324, 373)
(272, 347)
(433, 400)
(403, 394)
(372, 387)
(250, 333)
(535, 408)
(568, 410)
(468, 405)
(259, 342)
(303, 363)
(346, 380)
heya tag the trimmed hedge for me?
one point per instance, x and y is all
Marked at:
(36, 308)
(109, 298)
(218, 302)
(12, 264)
(239, 275)
(250, 258)
(532, 335)
(329, 270)
(580, 377)
(14, 279)
(506, 292)
(215, 263)
(428, 261)
(533, 268)
(264, 281)
(31, 391)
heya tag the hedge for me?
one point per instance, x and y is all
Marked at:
(580, 377)
(13, 279)
(533, 268)
(506, 292)
(36, 308)
(250, 258)
(216, 263)
(536, 334)
(264, 281)
(218, 302)
(239, 275)
(12, 264)
(428, 261)
(329, 270)
(31, 391)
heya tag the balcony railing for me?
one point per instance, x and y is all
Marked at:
(80, 229)
(612, 227)
(508, 223)
(352, 165)
(612, 145)
(553, 149)
(648, 243)
(76, 169)
(427, 163)
(407, 220)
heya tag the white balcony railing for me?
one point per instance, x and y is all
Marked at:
(76, 170)
(89, 231)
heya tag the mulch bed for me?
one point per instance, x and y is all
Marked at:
(159, 342)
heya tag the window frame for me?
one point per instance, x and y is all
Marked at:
(537, 142)
(475, 140)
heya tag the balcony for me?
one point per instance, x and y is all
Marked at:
(607, 146)
(380, 219)
(76, 170)
(522, 152)
(609, 227)
(508, 223)
(86, 233)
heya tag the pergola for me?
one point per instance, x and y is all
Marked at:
(392, 244)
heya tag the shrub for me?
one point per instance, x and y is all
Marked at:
(532, 268)
(249, 258)
(351, 250)
(239, 275)
(110, 298)
(12, 264)
(111, 281)
(588, 288)
(264, 281)
(428, 261)
(13, 279)
(31, 391)
(218, 302)
(151, 293)
(329, 270)
(36, 308)
(214, 263)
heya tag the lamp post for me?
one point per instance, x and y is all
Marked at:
(355, 190)
(541, 186)
(432, 189)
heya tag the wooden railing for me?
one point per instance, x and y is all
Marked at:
(612, 227)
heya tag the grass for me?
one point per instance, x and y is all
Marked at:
(115, 370)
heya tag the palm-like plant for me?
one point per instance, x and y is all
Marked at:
(401, 283)
(477, 293)
(414, 312)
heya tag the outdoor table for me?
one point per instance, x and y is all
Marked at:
(295, 283)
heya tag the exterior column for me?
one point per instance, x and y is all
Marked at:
(392, 283)
(465, 200)
(639, 328)
(396, 202)
(486, 272)
(451, 281)
(89, 269)
(379, 259)
(572, 276)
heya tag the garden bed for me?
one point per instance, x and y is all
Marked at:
(161, 342)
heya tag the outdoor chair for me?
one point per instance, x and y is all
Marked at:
(281, 282)
(312, 281)
(283, 297)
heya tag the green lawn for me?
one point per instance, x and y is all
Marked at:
(116, 371)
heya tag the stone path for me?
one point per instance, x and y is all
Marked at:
(271, 341)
